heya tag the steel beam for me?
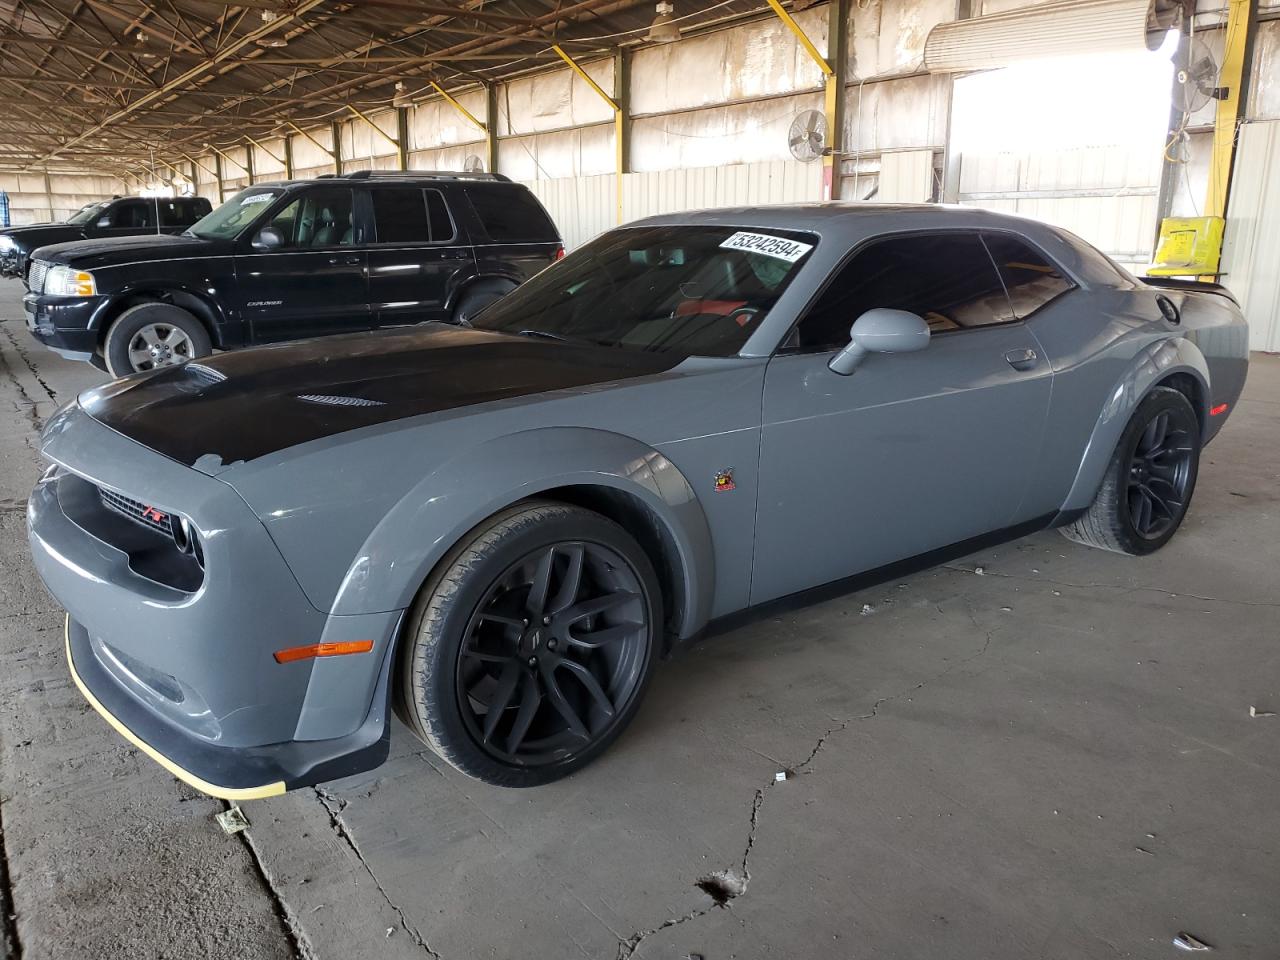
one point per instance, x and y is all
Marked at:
(831, 97)
(619, 120)
(377, 129)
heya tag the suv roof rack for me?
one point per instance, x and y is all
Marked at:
(423, 175)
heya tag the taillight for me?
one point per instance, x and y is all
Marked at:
(559, 253)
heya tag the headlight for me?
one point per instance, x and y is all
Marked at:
(65, 282)
(6, 242)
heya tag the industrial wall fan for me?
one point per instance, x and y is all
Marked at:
(1196, 75)
(807, 137)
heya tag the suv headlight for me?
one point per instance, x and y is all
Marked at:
(6, 242)
(66, 282)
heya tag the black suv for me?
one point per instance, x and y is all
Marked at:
(117, 217)
(282, 261)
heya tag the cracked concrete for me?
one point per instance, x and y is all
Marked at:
(1052, 760)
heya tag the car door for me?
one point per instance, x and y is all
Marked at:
(315, 282)
(911, 452)
(417, 256)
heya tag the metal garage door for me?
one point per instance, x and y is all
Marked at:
(1105, 194)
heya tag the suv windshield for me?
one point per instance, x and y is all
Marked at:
(88, 212)
(232, 217)
(699, 291)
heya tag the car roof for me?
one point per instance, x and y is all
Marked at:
(837, 216)
(393, 176)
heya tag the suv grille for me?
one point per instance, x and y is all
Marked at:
(35, 279)
(137, 511)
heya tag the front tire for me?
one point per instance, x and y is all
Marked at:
(1148, 485)
(530, 648)
(152, 335)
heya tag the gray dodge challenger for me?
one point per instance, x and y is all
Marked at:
(497, 529)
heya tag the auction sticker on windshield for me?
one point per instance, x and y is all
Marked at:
(257, 198)
(779, 247)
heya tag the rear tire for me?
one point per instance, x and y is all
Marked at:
(477, 298)
(518, 684)
(153, 335)
(1148, 485)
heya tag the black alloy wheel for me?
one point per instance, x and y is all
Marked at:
(530, 646)
(1149, 481)
(1160, 471)
(555, 649)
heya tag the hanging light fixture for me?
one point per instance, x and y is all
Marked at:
(401, 98)
(273, 41)
(664, 28)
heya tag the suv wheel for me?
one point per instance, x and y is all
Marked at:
(153, 335)
(529, 650)
(477, 298)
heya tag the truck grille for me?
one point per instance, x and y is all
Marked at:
(140, 513)
(35, 279)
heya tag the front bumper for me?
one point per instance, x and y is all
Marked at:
(232, 773)
(182, 665)
(63, 324)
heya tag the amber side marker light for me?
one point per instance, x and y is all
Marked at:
(323, 650)
(1219, 410)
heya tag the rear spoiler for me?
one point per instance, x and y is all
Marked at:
(1195, 286)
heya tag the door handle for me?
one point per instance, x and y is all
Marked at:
(349, 258)
(1022, 359)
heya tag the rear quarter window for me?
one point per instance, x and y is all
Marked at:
(511, 214)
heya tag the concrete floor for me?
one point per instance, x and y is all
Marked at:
(1054, 758)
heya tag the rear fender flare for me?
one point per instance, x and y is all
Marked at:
(1151, 366)
(425, 524)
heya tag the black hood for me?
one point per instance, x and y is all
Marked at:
(109, 251)
(39, 234)
(217, 411)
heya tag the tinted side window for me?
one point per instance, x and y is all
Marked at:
(442, 229)
(400, 215)
(134, 215)
(1031, 279)
(319, 218)
(946, 278)
(177, 213)
(511, 214)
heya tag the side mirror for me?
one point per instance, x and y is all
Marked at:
(268, 238)
(881, 331)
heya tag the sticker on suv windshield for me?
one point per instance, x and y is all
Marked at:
(778, 247)
(257, 198)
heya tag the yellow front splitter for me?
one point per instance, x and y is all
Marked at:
(204, 786)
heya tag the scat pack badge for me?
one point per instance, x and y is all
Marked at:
(724, 480)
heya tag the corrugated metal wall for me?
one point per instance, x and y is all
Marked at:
(32, 200)
(1251, 254)
(585, 206)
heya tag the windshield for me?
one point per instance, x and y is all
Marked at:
(89, 211)
(695, 290)
(232, 217)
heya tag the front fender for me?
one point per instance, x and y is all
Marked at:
(113, 301)
(429, 520)
(1151, 365)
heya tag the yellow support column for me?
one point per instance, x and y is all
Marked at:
(831, 98)
(619, 121)
(1226, 120)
